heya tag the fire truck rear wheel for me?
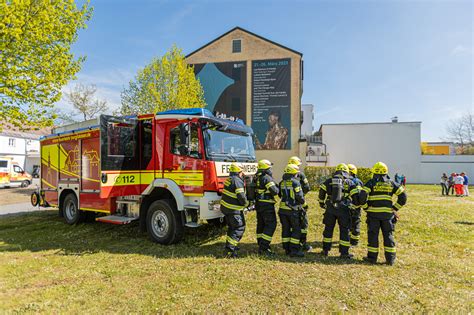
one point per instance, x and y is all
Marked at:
(25, 183)
(71, 212)
(164, 223)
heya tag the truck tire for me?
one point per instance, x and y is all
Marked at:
(164, 223)
(25, 183)
(70, 209)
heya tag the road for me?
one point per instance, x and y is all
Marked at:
(17, 200)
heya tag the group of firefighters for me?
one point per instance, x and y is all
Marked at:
(342, 196)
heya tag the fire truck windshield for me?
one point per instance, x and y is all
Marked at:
(227, 146)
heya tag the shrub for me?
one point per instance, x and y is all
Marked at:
(318, 174)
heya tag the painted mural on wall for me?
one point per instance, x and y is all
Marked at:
(271, 104)
(224, 85)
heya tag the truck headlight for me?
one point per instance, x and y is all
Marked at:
(214, 205)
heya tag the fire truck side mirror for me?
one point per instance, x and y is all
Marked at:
(183, 133)
(103, 178)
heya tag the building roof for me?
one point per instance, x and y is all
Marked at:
(28, 134)
(248, 32)
(371, 123)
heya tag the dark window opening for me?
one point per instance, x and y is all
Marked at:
(179, 148)
(236, 46)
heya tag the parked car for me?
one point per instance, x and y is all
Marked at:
(12, 175)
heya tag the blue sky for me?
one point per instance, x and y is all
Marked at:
(365, 61)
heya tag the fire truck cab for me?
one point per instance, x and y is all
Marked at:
(166, 170)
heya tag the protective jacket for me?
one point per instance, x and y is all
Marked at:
(303, 182)
(291, 193)
(350, 193)
(233, 198)
(266, 189)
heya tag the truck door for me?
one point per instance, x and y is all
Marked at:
(184, 164)
(120, 162)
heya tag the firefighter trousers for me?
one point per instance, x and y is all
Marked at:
(355, 226)
(304, 228)
(290, 230)
(387, 226)
(236, 228)
(266, 225)
(343, 218)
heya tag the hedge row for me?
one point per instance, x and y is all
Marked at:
(318, 174)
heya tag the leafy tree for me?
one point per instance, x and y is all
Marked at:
(35, 57)
(166, 83)
(83, 99)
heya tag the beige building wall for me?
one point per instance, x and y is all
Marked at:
(255, 48)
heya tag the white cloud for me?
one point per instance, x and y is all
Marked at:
(460, 50)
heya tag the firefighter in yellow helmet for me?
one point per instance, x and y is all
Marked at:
(336, 195)
(292, 200)
(355, 210)
(378, 192)
(266, 190)
(304, 215)
(233, 203)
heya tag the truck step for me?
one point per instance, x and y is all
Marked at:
(192, 224)
(115, 219)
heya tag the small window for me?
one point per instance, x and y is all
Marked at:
(236, 46)
(12, 142)
(3, 163)
(179, 148)
(17, 169)
(121, 140)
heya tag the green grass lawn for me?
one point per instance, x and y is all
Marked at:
(48, 266)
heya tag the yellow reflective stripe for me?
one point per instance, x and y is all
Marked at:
(232, 241)
(373, 249)
(233, 207)
(380, 197)
(323, 187)
(95, 210)
(380, 209)
(390, 249)
(285, 239)
(266, 200)
(261, 191)
(353, 191)
(259, 235)
(344, 243)
(355, 237)
(327, 240)
(304, 231)
(400, 190)
(297, 189)
(239, 190)
(397, 206)
(367, 189)
(266, 237)
(230, 194)
(270, 184)
(284, 206)
(365, 206)
(294, 241)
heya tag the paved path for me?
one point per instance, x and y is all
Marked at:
(19, 207)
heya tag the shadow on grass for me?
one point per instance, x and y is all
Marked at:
(44, 231)
(464, 222)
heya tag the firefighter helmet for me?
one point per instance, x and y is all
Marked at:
(294, 160)
(342, 167)
(264, 164)
(352, 168)
(380, 168)
(292, 169)
(235, 168)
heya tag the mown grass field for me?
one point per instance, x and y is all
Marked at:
(48, 266)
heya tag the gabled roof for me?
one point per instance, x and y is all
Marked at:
(248, 32)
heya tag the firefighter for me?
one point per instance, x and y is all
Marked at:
(304, 215)
(355, 210)
(382, 212)
(266, 190)
(233, 203)
(336, 195)
(292, 199)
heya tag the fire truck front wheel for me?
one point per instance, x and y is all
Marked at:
(164, 223)
(72, 214)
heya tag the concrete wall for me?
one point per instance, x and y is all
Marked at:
(308, 117)
(254, 48)
(396, 144)
(433, 166)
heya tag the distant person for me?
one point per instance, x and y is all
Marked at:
(459, 185)
(451, 183)
(404, 180)
(466, 184)
(398, 178)
(444, 184)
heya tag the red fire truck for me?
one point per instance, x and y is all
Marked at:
(166, 170)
